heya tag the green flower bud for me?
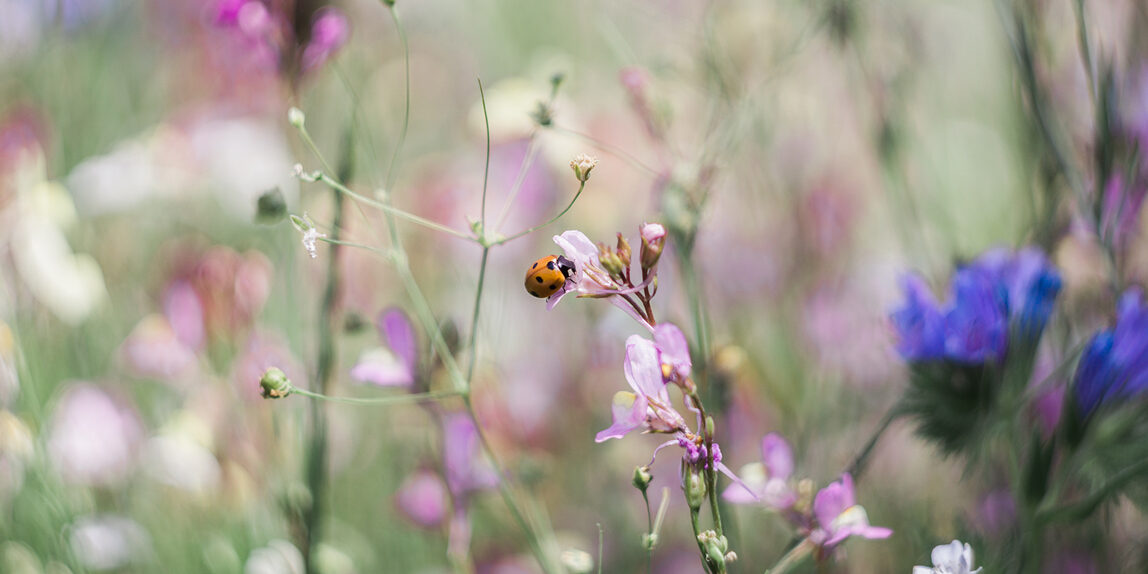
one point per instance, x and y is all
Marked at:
(624, 250)
(694, 487)
(642, 478)
(610, 261)
(274, 384)
(271, 207)
(296, 118)
(649, 540)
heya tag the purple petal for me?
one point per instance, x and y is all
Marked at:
(777, 455)
(396, 330)
(185, 313)
(833, 500)
(423, 498)
(579, 248)
(628, 412)
(643, 370)
(675, 350)
(466, 471)
(329, 32)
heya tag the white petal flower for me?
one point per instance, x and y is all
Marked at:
(952, 558)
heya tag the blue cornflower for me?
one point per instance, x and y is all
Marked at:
(919, 323)
(999, 290)
(1115, 362)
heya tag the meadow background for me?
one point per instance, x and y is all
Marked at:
(819, 149)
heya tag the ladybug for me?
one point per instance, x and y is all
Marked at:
(547, 275)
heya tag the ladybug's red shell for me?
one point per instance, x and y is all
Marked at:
(548, 275)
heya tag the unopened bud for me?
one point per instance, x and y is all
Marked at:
(582, 164)
(693, 486)
(296, 118)
(624, 251)
(274, 384)
(649, 540)
(730, 557)
(271, 207)
(610, 261)
(653, 241)
(642, 478)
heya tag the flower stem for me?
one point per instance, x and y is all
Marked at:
(857, 467)
(378, 401)
(502, 240)
(794, 557)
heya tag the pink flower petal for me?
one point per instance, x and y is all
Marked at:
(643, 370)
(399, 334)
(628, 412)
(777, 456)
(675, 350)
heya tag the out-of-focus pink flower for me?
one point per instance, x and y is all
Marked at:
(589, 278)
(422, 497)
(996, 512)
(648, 407)
(653, 232)
(329, 32)
(466, 469)
(93, 438)
(154, 350)
(766, 482)
(839, 517)
(397, 367)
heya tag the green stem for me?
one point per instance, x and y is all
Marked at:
(1082, 509)
(378, 401)
(486, 167)
(392, 172)
(697, 538)
(650, 527)
(387, 208)
(531, 152)
(473, 341)
(609, 148)
(502, 240)
(857, 467)
(507, 495)
(794, 557)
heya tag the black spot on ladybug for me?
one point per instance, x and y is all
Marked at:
(553, 286)
(538, 279)
(535, 265)
(550, 265)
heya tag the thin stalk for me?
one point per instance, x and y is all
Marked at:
(697, 538)
(857, 467)
(473, 341)
(386, 207)
(794, 557)
(379, 401)
(610, 149)
(650, 529)
(389, 181)
(486, 167)
(1085, 49)
(507, 495)
(380, 252)
(1084, 508)
(502, 240)
(527, 163)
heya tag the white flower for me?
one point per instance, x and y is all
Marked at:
(309, 238)
(582, 164)
(951, 558)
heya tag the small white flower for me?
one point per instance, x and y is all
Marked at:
(951, 558)
(309, 238)
(582, 164)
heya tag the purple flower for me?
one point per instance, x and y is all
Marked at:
(590, 279)
(976, 325)
(648, 407)
(839, 517)
(1115, 362)
(919, 324)
(466, 470)
(397, 367)
(767, 481)
(328, 33)
(674, 351)
(422, 497)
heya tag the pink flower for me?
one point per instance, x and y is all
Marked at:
(397, 367)
(94, 438)
(839, 517)
(590, 279)
(767, 482)
(328, 33)
(648, 407)
(423, 498)
(466, 470)
(674, 351)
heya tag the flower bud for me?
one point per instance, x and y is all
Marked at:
(624, 250)
(649, 540)
(693, 485)
(274, 384)
(296, 118)
(610, 261)
(642, 478)
(653, 240)
(271, 207)
(582, 164)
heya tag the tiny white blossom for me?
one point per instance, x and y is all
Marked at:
(309, 238)
(582, 164)
(951, 558)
